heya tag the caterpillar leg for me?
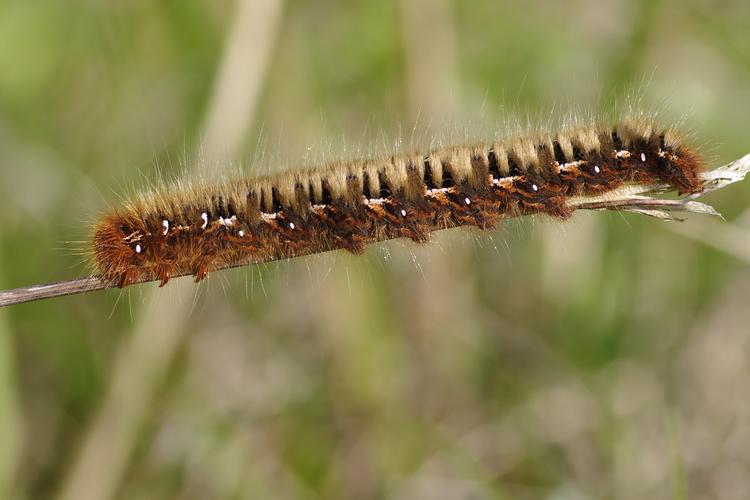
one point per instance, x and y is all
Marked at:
(163, 274)
(127, 278)
(354, 244)
(417, 234)
(202, 269)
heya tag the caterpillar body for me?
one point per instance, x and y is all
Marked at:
(197, 228)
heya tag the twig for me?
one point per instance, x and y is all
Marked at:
(57, 289)
(638, 199)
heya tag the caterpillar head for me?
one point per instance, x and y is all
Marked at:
(119, 247)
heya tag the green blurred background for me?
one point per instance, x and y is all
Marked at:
(604, 357)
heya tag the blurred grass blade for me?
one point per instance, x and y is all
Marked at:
(9, 422)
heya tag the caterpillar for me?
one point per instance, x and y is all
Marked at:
(195, 228)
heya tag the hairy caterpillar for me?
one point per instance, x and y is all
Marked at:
(194, 229)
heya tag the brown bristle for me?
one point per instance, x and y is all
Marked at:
(197, 229)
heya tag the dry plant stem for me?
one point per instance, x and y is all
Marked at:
(57, 289)
(639, 199)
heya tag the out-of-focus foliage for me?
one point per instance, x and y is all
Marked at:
(606, 357)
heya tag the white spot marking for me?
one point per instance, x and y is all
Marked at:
(467, 201)
(226, 222)
(241, 233)
(165, 225)
(204, 216)
(138, 249)
(597, 169)
(535, 187)
(291, 225)
(403, 212)
(643, 157)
